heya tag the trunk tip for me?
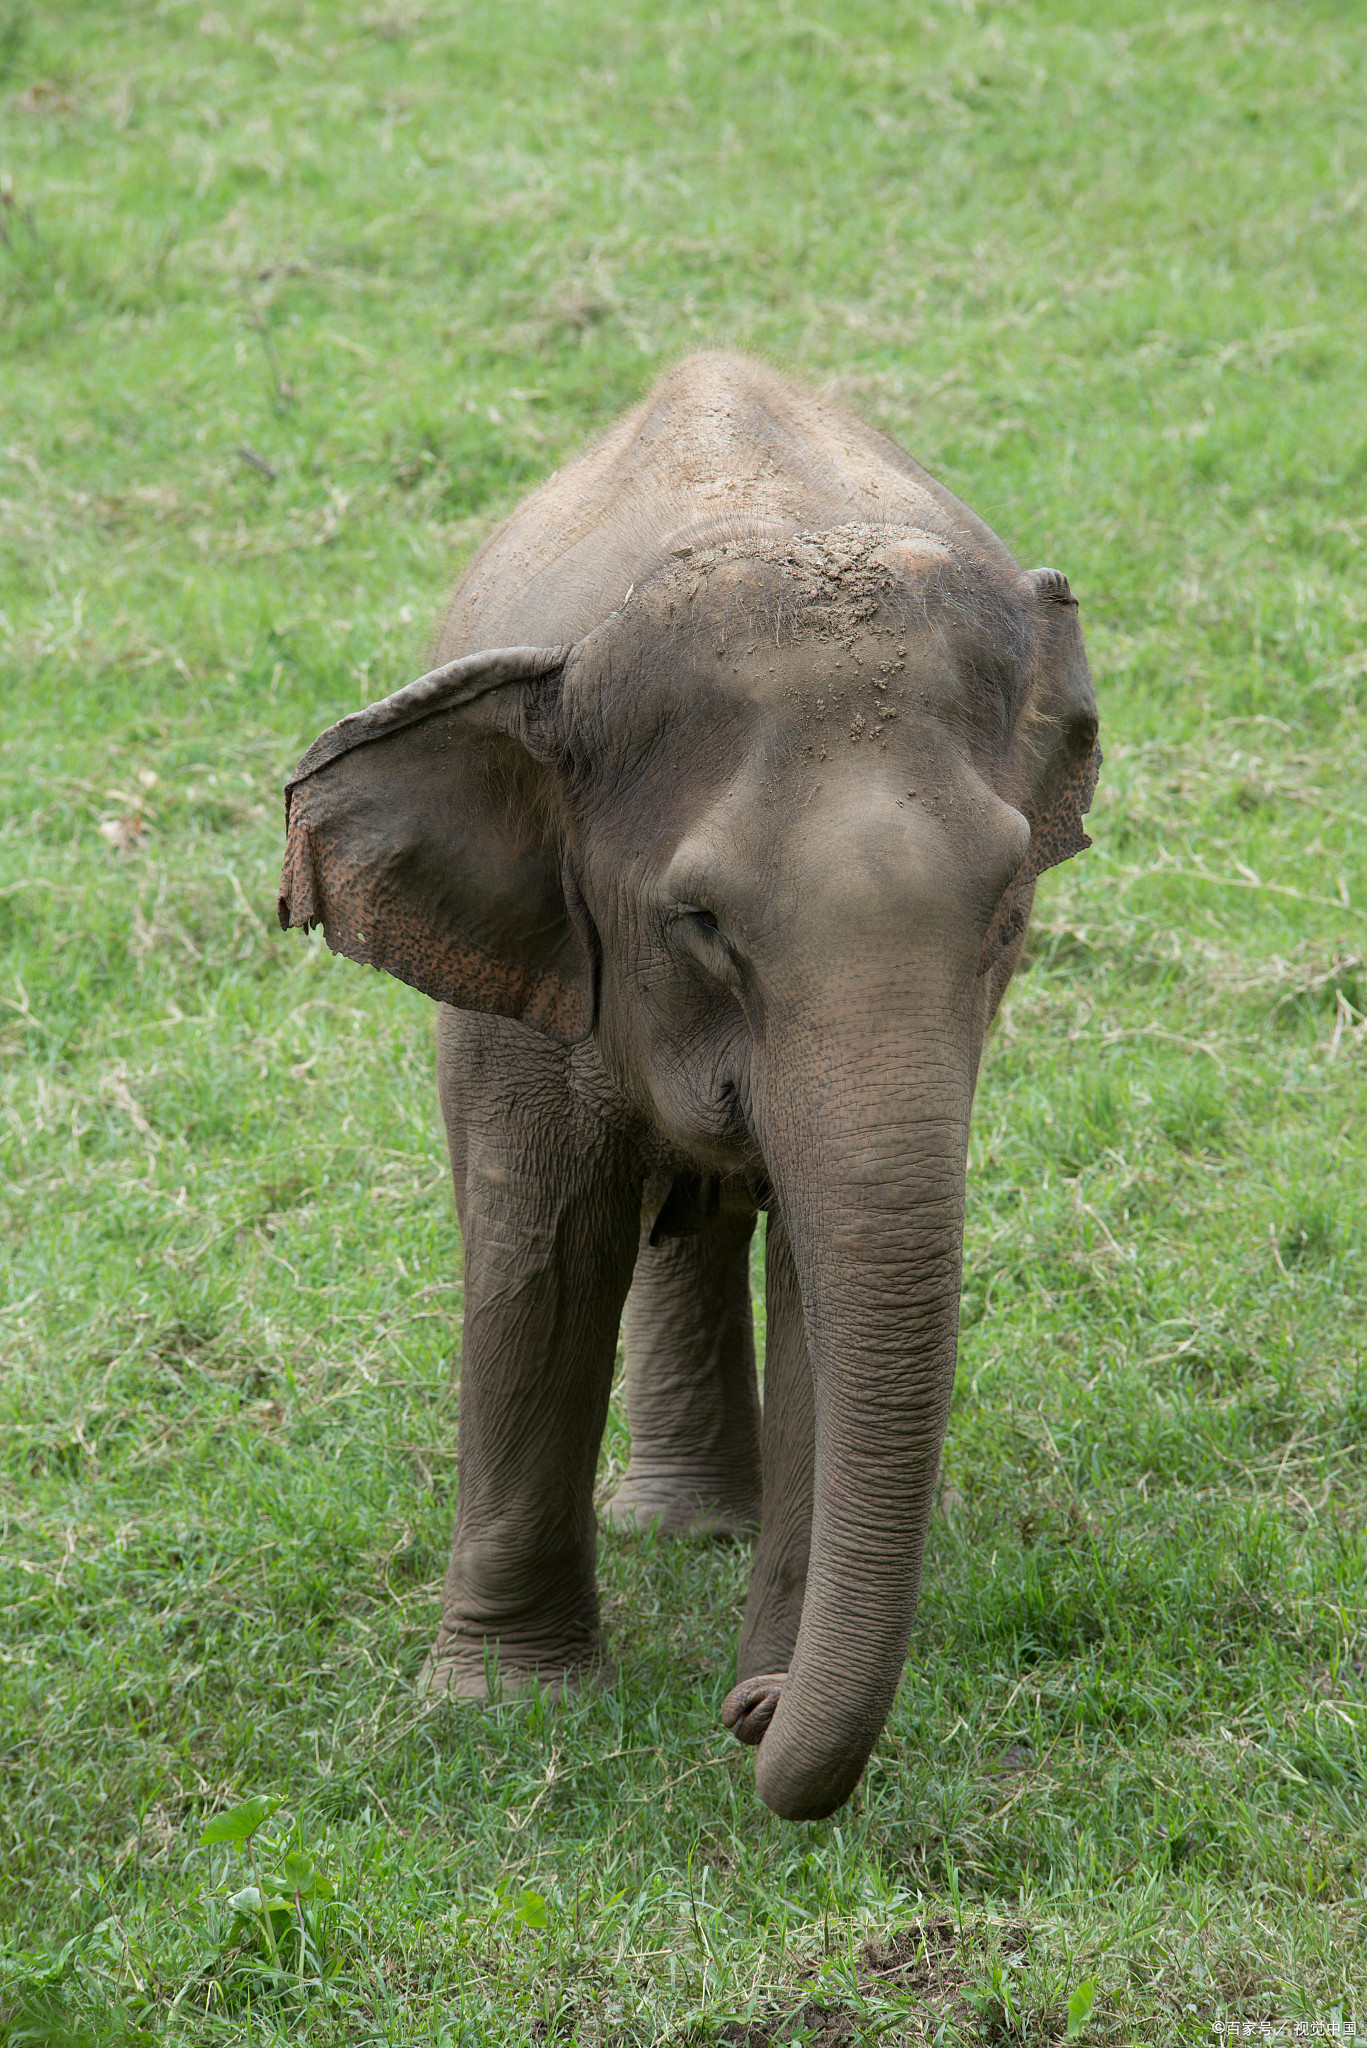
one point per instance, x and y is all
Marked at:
(796, 1794)
(749, 1707)
(791, 1785)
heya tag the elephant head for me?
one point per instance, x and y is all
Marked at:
(770, 834)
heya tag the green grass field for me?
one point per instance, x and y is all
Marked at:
(299, 296)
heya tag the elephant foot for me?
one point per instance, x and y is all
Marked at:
(680, 1503)
(748, 1708)
(473, 1671)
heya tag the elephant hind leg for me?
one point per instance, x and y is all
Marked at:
(692, 1398)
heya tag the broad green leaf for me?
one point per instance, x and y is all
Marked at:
(531, 1909)
(248, 1900)
(240, 1823)
(1080, 2007)
(298, 1876)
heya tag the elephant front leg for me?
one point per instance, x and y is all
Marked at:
(550, 1208)
(692, 1399)
(778, 1577)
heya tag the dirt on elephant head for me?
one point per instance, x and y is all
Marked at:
(831, 585)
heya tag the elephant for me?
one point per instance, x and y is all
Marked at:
(714, 834)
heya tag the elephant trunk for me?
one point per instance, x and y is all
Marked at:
(868, 1169)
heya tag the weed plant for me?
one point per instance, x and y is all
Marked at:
(299, 296)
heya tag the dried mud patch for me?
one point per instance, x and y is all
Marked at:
(923, 1957)
(813, 2024)
(931, 1960)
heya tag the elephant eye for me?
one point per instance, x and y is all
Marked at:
(714, 955)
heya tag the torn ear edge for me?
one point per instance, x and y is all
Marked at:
(1054, 837)
(399, 845)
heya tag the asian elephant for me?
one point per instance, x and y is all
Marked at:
(715, 834)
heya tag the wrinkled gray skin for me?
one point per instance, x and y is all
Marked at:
(720, 904)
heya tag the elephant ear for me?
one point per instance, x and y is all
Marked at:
(422, 835)
(1056, 811)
